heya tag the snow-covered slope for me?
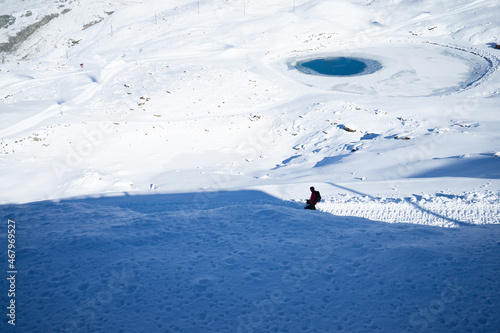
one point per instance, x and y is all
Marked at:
(116, 96)
(155, 156)
(244, 262)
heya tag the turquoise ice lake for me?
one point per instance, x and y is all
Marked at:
(339, 66)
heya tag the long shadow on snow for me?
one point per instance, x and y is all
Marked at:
(149, 203)
(152, 203)
(481, 166)
(138, 263)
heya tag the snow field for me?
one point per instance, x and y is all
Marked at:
(247, 262)
(156, 157)
(223, 74)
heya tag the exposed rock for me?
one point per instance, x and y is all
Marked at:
(349, 128)
(88, 25)
(21, 36)
(73, 42)
(6, 20)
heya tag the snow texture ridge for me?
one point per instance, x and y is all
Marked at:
(440, 210)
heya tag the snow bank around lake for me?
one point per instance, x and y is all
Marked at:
(411, 69)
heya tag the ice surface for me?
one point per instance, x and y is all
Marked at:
(339, 66)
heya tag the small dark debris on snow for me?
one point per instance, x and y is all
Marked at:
(348, 129)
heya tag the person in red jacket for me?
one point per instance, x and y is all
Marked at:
(311, 203)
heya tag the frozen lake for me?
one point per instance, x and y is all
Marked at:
(339, 66)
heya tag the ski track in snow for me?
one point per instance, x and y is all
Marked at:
(492, 60)
(440, 210)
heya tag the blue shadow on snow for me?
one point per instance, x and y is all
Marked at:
(482, 166)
